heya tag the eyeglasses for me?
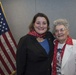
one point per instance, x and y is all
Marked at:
(60, 30)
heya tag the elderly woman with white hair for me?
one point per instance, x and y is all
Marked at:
(64, 59)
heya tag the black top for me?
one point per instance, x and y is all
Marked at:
(31, 58)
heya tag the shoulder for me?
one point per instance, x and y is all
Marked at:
(74, 41)
(74, 45)
(24, 39)
(50, 35)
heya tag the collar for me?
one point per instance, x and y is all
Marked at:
(68, 41)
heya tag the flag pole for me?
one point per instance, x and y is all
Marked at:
(13, 73)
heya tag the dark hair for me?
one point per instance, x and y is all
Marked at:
(31, 27)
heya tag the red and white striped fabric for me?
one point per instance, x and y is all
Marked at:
(7, 47)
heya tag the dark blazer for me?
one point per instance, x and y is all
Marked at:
(31, 58)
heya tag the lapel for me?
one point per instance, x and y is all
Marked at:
(40, 48)
(67, 53)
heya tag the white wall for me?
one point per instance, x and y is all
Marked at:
(19, 13)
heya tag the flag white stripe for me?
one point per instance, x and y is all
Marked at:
(11, 42)
(8, 50)
(3, 68)
(6, 60)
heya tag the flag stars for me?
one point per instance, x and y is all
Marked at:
(1, 18)
(3, 27)
(0, 13)
(3, 23)
(2, 30)
(6, 29)
(0, 25)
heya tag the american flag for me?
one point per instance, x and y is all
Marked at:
(7, 47)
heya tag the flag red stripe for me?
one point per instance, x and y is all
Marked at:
(12, 38)
(8, 44)
(6, 67)
(8, 57)
(1, 72)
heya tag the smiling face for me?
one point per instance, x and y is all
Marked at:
(40, 25)
(61, 33)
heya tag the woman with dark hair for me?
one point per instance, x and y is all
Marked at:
(35, 49)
